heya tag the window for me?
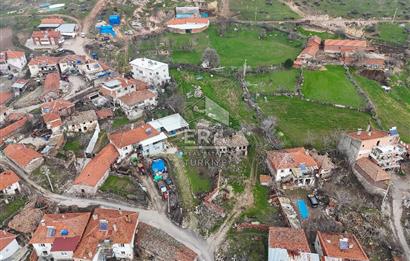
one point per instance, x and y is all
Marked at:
(42, 245)
(378, 142)
(122, 245)
(122, 253)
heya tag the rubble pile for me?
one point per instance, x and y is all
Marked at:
(27, 219)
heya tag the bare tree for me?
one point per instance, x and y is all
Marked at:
(210, 57)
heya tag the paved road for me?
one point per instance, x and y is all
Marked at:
(151, 217)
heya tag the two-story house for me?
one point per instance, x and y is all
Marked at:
(292, 167)
(109, 234)
(58, 235)
(47, 39)
(24, 156)
(70, 63)
(289, 244)
(51, 87)
(8, 245)
(61, 107)
(82, 121)
(145, 139)
(43, 65)
(12, 61)
(153, 72)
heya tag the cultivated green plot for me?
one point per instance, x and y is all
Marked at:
(393, 33)
(358, 8)
(284, 80)
(390, 111)
(122, 186)
(261, 10)
(331, 86)
(238, 44)
(224, 92)
(304, 123)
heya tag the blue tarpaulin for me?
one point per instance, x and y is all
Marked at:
(158, 166)
(106, 29)
(114, 19)
(204, 15)
(303, 209)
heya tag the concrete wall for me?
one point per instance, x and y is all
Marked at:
(34, 164)
(369, 187)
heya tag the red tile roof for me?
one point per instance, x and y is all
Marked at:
(346, 43)
(51, 83)
(330, 246)
(12, 128)
(104, 113)
(290, 158)
(52, 20)
(8, 178)
(5, 97)
(121, 230)
(46, 34)
(263, 179)
(5, 239)
(294, 240)
(53, 119)
(370, 170)
(73, 58)
(95, 169)
(14, 54)
(65, 243)
(193, 20)
(364, 135)
(57, 105)
(21, 154)
(136, 97)
(124, 138)
(47, 60)
(74, 223)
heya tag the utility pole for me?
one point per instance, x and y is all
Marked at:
(394, 16)
(244, 69)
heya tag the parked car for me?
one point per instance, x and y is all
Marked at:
(313, 200)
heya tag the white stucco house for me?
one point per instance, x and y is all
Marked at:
(153, 72)
(9, 183)
(145, 139)
(12, 61)
(170, 125)
(8, 245)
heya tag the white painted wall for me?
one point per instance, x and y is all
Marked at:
(11, 190)
(156, 76)
(40, 248)
(9, 250)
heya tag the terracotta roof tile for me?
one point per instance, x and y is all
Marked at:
(136, 97)
(53, 119)
(104, 113)
(364, 135)
(96, 168)
(122, 139)
(52, 20)
(330, 246)
(74, 223)
(21, 154)
(370, 169)
(12, 128)
(294, 240)
(5, 97)
(46, 34)
(5, 239)
(263, 179)
(14, 54)
(346, 43)
(290, 158)
(121, 230)
(56, 106)
(8, 178)
(48, 60)
(51, 83)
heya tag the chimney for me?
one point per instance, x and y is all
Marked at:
(95, 216)
(369, 133)
(369, 128)
(115, 227)
(359, 131)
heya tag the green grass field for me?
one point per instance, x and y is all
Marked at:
(392, 33)
(10, 209)
(223, 91)
(308, 123)
(358, 8)
(259, 10)
(322, 35)
(390, 111)
(119, 185)
(331, 86)
(272, 82)
(239, 44)
(120, 121)
(73, 145)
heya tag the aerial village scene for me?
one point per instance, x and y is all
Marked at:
(201, 130)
